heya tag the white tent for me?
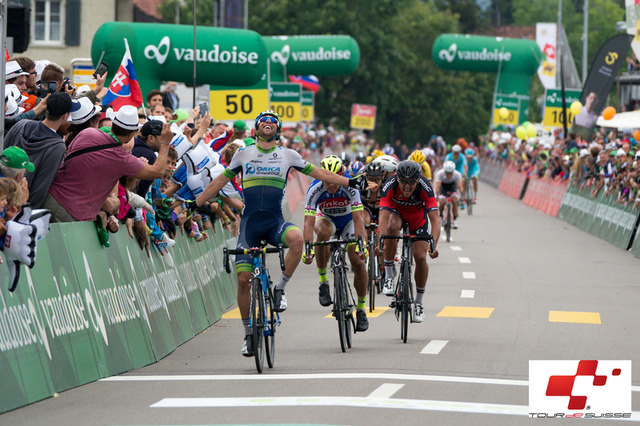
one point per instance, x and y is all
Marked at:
(622, 120)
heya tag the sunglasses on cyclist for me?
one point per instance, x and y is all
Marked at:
(268, 119)
(407, 182)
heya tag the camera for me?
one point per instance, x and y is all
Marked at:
(47, 87)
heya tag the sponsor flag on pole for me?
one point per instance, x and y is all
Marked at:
(309, 82)
(124, 88)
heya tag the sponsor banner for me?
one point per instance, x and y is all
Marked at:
(85, 312)
(512, 182)
(308, 105)
(512, 104)
(545, 194)
(632, 9)
(363, 116)
(580, 389)
(553, 113)
(546, 37)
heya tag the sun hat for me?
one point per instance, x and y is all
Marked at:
(13, 110)
(584, 153)
(127, 118)
(39, 68)
(13, 70)
(16, 158)
(13, 91)
(86, 111)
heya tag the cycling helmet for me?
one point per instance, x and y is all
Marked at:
(389, 164)
(417, 156)
(469, 152)
(409, 170)
(355, 168)
(428, 152)
(332, 163)
(346, 158)
(375, 170)
(377, 153)
(387, 150)
(361, 157)
(272, 114)
(449, 166)
(456, 148)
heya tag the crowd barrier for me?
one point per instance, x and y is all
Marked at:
(491, 171)
(512, 182)
(600, 216)
(85, 312)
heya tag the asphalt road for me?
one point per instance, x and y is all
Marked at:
(513, 285)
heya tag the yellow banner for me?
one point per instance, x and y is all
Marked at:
(511, 119)
(231, 105)
(553, 117)
(288, 111)
(362, 122)
(307, 113)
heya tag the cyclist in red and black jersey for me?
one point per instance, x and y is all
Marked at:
(408, 197)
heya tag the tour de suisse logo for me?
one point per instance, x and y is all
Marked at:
(580, 389)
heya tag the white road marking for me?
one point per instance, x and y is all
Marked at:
(469, 275)
(464, 260)
(325, 376)
(386, 390)
(434, 347)
(467, 294)
(456, 248)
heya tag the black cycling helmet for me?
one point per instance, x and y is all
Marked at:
(374, 170)
(408, 170)
(361, 156)
(346, 158)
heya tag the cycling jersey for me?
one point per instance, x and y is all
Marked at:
(414, 209)
(335, 207)
(473, 168)
(426, 169)
(448, 186)
(460, 163)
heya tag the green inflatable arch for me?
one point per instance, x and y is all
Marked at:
(514, 60)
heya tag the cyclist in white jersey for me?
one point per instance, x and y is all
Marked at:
(448, 184)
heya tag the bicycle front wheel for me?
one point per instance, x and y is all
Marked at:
(469, 197)
(339, 308)
(270, 331)
(447, 222)
(405, 301)
(257, 322)
(371, 271)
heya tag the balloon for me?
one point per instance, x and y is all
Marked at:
(608, 113)
(526, 124)
(636, 135)
(521, 132)
(532, 131)
(575, 108)
(504, 113)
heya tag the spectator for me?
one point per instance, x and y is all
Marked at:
(14, 162)
(95, 162)
(146, 144)
(54, 72)
(44, 147)
(88, 115)
(28, 66)
(154, 98)
(15, 75)
(169, 97)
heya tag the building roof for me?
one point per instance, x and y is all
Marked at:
(149, 8)
(512, 31)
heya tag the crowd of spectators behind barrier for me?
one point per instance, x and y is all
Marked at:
(65, 151)
(609, 162)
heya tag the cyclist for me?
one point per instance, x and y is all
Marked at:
(345, 157)
(461, 164)
(389, 164)
(418, 157)
(356, 168)
(449, 184)
(408, 197)
(333, 209)
(265, 167)
(473, 170)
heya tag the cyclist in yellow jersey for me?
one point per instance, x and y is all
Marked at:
(418, 157)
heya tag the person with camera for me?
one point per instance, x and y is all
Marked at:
(42, 144)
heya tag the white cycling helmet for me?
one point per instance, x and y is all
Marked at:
(456, 148)
(428, 152)
(449, 166)
(389, 164)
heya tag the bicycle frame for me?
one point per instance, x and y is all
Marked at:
(374, 275)
(447, 218)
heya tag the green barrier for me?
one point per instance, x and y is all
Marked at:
(85, 312)
(600, 216)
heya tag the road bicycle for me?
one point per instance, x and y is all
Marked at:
(343, 301)
(469, 195)
(374, 267)
(447, 218)
(403, 293)
(263, 319)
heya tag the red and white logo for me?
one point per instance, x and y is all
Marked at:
(580, 389)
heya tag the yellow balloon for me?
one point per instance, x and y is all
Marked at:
(504, 113)
(575, 108)
(521, 132)
(532, 131)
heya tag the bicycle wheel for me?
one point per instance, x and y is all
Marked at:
(257, 322)
(348, 320)
(405, 301)
(447, 222)
(371, 272)
(270, 332)
(339, 308)
(469, 197)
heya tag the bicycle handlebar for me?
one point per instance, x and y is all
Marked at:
(254, 251)
(308, 244)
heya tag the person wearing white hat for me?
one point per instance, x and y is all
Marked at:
(15, 75)
(42, 144)
(95, 161)
(11, 108)
(88, 115)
